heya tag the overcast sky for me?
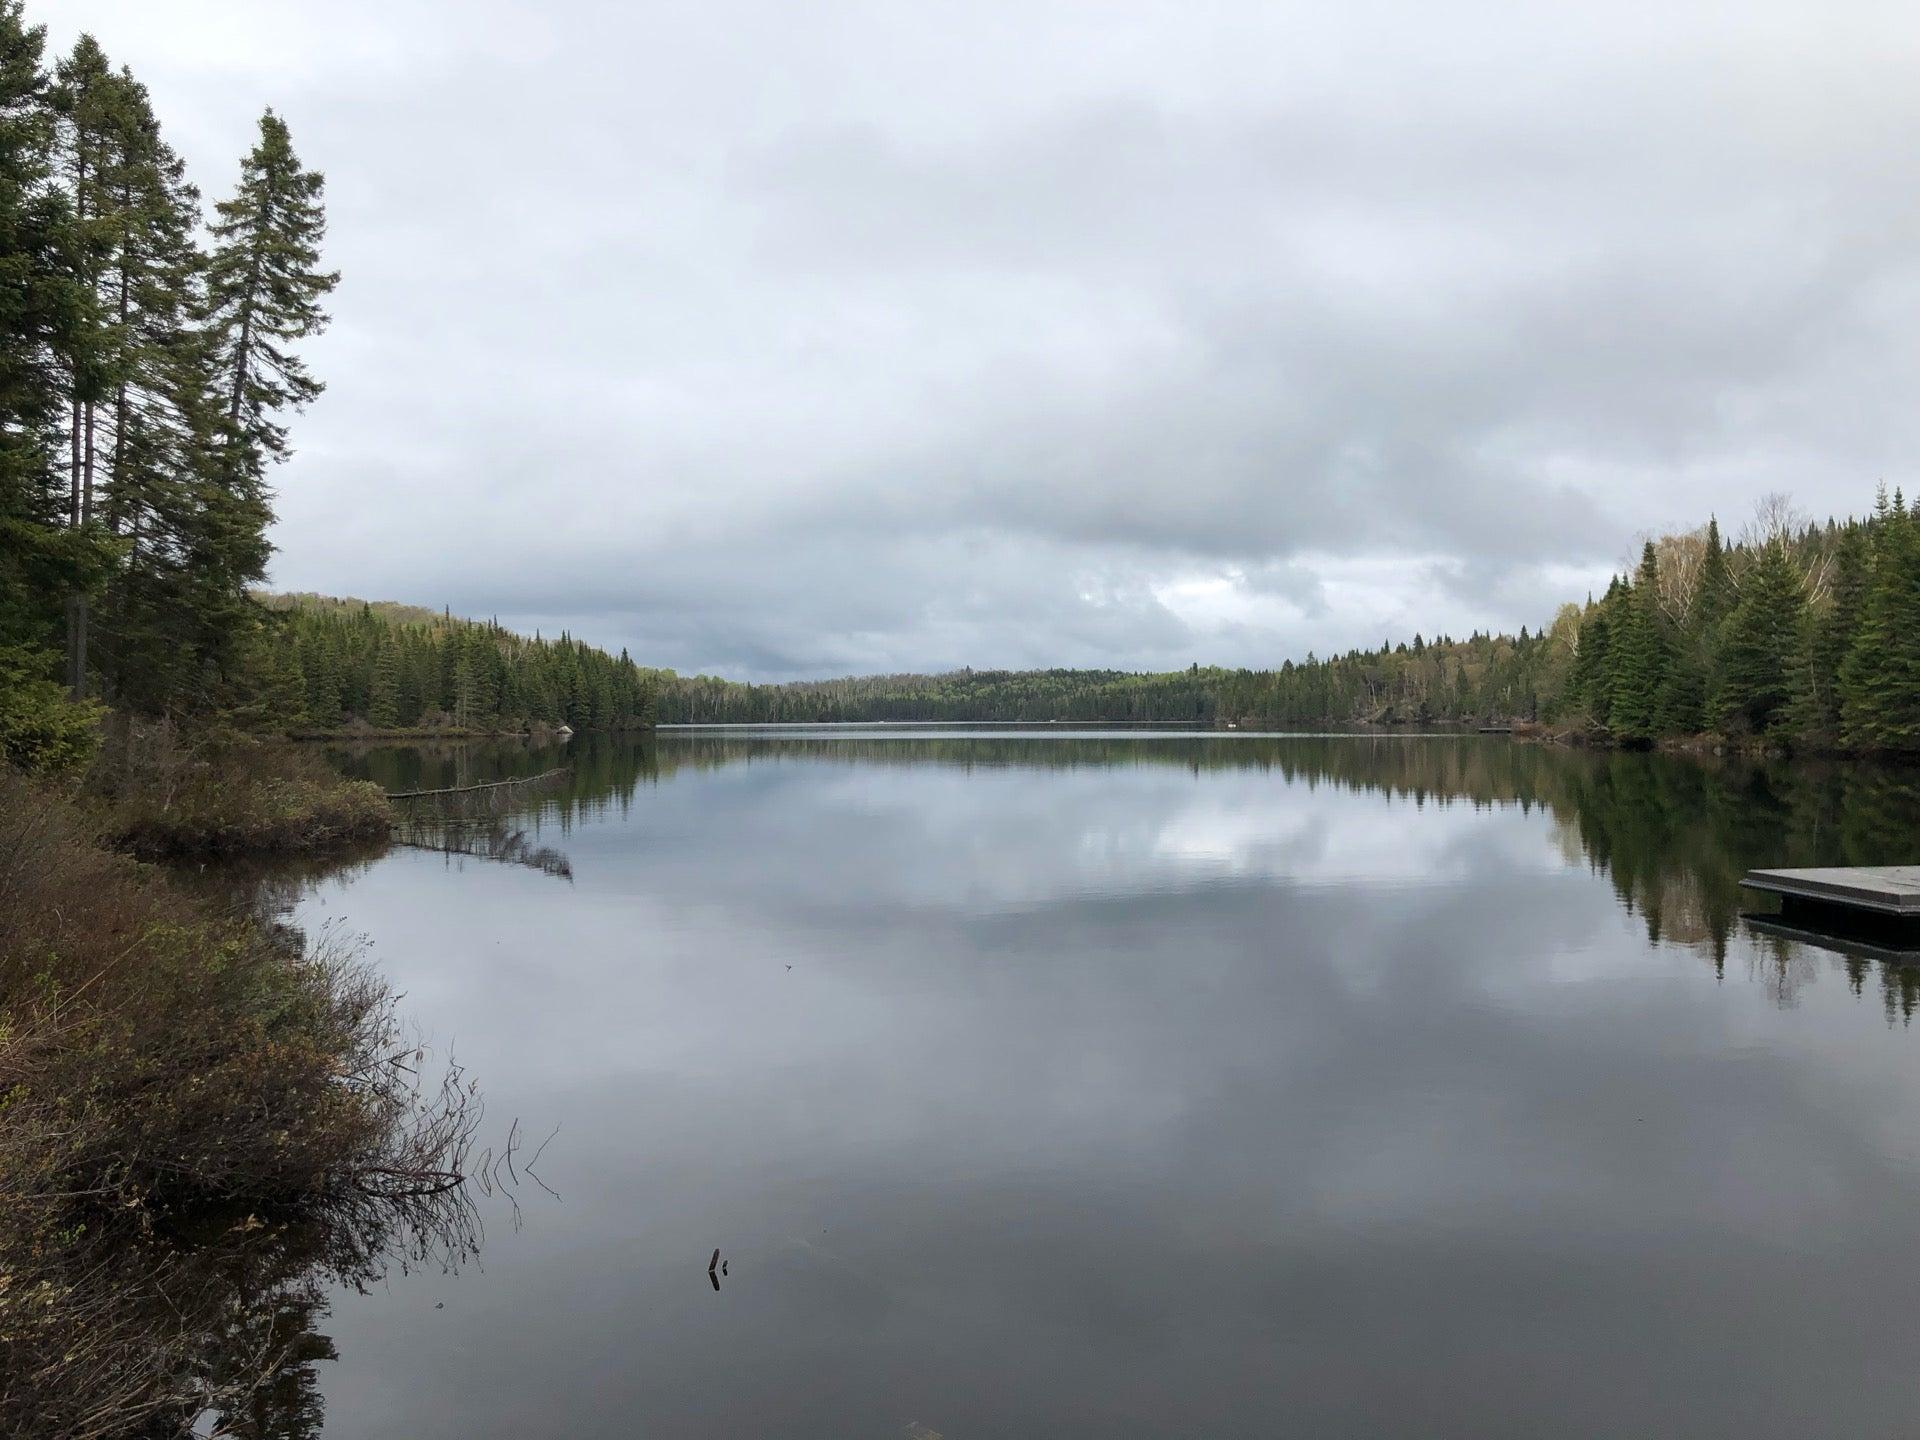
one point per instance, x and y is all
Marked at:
(778, 338)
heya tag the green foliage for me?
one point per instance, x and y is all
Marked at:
(354, 663)
(1590, 687)
(1879, 681)
(264, 293)
(144, 382)
(46, 557)
(1764, 654)
(42, 731)
(1639, 688)
(1441, 679)
(1834, 631)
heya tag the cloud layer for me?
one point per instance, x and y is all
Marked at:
(787, 340)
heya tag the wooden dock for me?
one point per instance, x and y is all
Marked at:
(1891, 891)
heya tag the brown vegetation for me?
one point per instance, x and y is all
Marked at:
(197, 1116)
(164, 795)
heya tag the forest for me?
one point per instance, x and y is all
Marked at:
(348, 663)
(1796, 634)
(149, 367)
(149, 372)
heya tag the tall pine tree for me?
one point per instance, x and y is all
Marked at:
(1880, 678)
(265, 290)
(44, 559)
(1640, 656)
(1764, 653)
(1834, 628)
(85, 103)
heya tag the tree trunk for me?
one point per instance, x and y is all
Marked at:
(86, 470)
(243, 347)
(77, 645)
(117, 486)
(76, 503)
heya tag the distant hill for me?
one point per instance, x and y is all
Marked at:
(346, 664)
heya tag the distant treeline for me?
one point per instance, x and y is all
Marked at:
(344, 663)
(1442, 679)
(1799, 633)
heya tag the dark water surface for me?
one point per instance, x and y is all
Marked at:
(1137, 1085)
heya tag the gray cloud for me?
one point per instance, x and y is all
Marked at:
(788, 340)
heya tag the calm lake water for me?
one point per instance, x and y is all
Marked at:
(1145, 1085)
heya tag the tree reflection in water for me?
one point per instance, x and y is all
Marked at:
(1672, 832)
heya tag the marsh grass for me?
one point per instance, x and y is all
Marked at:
(200, 1116)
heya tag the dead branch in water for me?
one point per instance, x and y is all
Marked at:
(545, 775)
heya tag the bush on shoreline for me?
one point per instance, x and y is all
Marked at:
(180, 1092)
(41, 730)
(163, 795)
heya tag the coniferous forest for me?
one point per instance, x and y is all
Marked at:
(388, 666)
(150, 370)
(149, 373)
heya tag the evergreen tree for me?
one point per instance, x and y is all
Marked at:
(1680, 705)
(1639, 656)
(1764, 655)
(44, 559)
(1592, 679)
(383, 705)
(1880, 678)
(84, 103)
(265, 289)
(1713, 587)
(160, 629)
(1834, 629)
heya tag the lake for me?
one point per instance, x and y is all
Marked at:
(1137, 1084)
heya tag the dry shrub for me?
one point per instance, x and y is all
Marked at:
(168, 793)
(197, 1117)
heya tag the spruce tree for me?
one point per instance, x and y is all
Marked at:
(165, 618)
(1691, 676)
(383, 705)
(1880, 678)
(1713, 587)
(1639, 656)
(1680, 705)
(1592, 678)
(44, 560)
(85, 102)
(265, 288)
(142, 460)
(1764, 653)
(1834, 629)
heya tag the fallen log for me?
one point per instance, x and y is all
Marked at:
(469, 789)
